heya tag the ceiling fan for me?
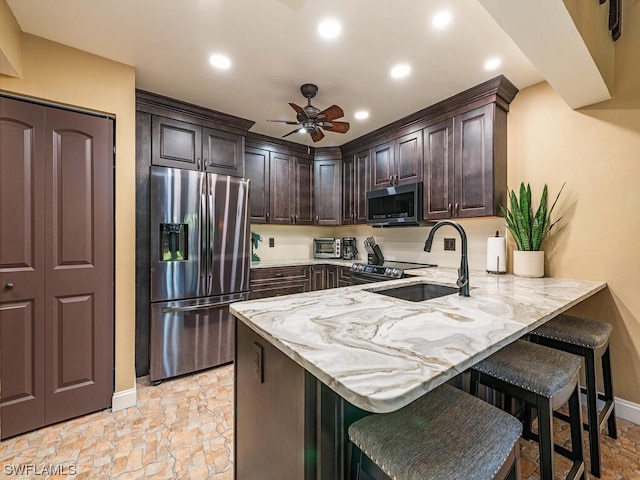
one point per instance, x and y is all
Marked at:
(312, 119)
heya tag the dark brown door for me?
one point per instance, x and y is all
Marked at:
(382, 166)
(222, 152)
(57, 318)
(175, 143)
(22, 265)
(257, 171)
(473, 133)
(303, 192)
(79, 264)
(281, 178)
(408, 161)
(327, 191)
(438, 171)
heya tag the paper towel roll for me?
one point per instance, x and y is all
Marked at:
(496, 254)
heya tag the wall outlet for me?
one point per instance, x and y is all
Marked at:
(449, 243)
(272, 242)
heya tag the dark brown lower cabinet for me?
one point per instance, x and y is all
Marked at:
(56, 264)
(276, 281)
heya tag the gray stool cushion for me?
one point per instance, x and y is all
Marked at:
(577, 331)
(542, 370)
(446, 435)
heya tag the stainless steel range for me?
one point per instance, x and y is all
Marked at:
(389, 270)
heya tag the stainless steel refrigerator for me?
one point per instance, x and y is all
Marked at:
(200, 259)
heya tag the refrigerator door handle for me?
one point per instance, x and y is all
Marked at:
(193, 308)
(212, 224)
(203, 239)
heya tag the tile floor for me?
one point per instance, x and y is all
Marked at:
(183, 429)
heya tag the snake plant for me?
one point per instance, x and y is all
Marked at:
(529, 230)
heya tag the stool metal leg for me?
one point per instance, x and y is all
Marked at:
(608, 394)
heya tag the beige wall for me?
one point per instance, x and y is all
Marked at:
(596, 150)
(10, 42)
(56, 73)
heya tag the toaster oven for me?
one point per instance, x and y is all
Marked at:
(326, 248)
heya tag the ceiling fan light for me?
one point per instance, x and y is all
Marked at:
(302, 130)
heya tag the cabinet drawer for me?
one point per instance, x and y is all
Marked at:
(276, 289)
(280, 274)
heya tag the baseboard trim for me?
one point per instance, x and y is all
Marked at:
(124, 399)
(625, 409)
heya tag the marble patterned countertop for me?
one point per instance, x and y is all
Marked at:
(381, 353)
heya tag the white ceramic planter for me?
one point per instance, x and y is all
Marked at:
(528, 264)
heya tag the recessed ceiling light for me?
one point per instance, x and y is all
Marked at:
(220, 61)
(492, 63)
(441, 19)
(361, 115)
(329, 28)
(400, 71)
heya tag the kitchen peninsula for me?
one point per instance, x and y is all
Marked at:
(308, 365)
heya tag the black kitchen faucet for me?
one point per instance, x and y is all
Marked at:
(463, 271)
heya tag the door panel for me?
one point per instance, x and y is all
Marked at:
(223, 152)
(409, 158)
(382, 166)
(257, 171)
(178, 241)
(281, 174)
(304, 192)
(327, 192)
(175, 143)
(438, 171)
(474, 161)
(361, 184)
(21, 265)
(79, 263)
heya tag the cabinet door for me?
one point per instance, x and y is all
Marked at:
(408, 158)
(473, 153)
(222, 152)
(348, 192)
(327, 192)
(281, 186)
(175, 143)
(360, 186)
(331, 276)
(257, 171)
(303, 196)
(438, 171)
(318, 277)
(382, 166)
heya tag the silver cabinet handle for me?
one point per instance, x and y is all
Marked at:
(457, 209)
(391, 179)
(9, 286)
(268, 217)
(450, 209)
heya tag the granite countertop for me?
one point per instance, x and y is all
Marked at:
(381, 353)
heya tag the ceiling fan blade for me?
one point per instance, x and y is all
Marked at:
(299, 110)
(339, 127)
(317, 135)
(290, 133)
(332, 112)
(288, 122)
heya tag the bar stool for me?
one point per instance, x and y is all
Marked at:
(446, 435)
(543, 378)
(589, 339)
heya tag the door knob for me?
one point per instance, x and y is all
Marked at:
(9, 286)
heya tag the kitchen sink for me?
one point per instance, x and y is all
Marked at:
(418, 292)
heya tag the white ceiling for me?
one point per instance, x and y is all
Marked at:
(275, 48)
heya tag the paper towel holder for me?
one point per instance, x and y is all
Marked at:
(500, 257)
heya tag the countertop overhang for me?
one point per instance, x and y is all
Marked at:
(381, 353)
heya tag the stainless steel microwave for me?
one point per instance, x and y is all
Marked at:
(395, 206)
(326, 248)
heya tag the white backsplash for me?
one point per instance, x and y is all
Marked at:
(401, 243)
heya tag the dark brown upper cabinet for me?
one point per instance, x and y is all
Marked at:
(398, 162)
(281, 187)
(327, 191)
(175, 143)
(465, 164)
(355, 184)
